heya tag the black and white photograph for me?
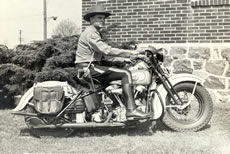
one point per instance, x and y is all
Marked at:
(115, 76)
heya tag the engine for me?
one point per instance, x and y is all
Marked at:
(140, 73)
(86, 109)
(76, 111)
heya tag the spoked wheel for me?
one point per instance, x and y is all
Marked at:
(196, 115)
(45, 132)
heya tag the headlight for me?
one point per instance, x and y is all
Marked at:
(160, 55)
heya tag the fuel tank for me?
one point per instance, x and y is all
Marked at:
(141, 77)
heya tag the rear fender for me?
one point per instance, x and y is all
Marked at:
(157, 106)
(27, 97)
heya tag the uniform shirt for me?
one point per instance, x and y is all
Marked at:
(91, 42)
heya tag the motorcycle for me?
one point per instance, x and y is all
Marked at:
(179, 100)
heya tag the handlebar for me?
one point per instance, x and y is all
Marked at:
(153, 52)
(148, 53)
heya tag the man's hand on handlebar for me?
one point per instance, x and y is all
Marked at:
(138, 52)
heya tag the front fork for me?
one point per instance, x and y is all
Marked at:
(171, 91)
(181, 107)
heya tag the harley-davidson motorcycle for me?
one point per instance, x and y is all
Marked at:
(179, 100)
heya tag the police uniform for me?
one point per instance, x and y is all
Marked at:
(91, 48)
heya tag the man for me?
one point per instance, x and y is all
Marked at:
(91, 48)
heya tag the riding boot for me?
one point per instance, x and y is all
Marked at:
(132, 110)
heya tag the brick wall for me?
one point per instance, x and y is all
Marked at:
(167, 21)
(196, 34)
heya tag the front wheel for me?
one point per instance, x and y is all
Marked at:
(196, 115)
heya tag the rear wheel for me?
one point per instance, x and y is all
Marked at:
(43, 132)
(196, 115)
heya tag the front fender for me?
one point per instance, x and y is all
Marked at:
(158, 107)
(26, 98)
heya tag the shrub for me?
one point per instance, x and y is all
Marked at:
(5, 54)
(39, 61)
(35, 62)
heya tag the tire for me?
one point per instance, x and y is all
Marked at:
(200, 120)
(44, 132)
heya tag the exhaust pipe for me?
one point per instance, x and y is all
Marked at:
(82, 125)
(24, 114)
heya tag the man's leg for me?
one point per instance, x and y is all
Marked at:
(111, 74)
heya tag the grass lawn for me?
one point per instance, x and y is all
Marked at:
(215, 138)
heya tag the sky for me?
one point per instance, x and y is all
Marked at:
(27, 15)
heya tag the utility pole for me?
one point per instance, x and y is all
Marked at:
(45, 19)
(20, 36)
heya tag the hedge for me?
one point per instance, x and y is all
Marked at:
(39, 61)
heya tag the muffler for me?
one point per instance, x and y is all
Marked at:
(24, 113)
(81, 125)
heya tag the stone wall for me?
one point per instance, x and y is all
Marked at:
(211, 62)
(196, 34)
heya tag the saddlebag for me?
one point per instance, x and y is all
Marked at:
(48, 100)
